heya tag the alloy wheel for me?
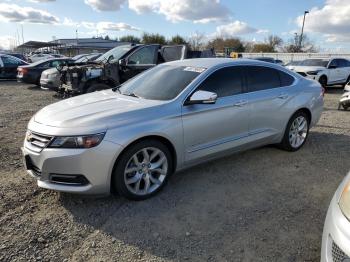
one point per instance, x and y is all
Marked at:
(146, 171)
(298, 131)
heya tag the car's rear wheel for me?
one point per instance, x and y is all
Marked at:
(142, 170)
(97, 87)
(296, 132)
(323, 81)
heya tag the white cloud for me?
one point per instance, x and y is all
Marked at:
(7, 42)
(101, 27)
(109, 26)
(105, 5)
(41, 1)
(235, 28)
(15, 13)
(197, 11)
(332, 20)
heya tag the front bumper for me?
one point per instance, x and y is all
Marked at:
(336, 235)
(48, 84)
(94, 164)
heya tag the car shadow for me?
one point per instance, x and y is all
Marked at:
(262, 205)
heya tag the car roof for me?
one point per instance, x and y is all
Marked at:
(213, 62)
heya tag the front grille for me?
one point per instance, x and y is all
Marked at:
(37, 142)
(337, 254)
(301, 73)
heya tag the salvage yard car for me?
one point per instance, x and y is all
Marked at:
(8, 66)
(326, 71)
(51, 78)
(120, 64)
(31, 73)
(129, 139)
(336, 232)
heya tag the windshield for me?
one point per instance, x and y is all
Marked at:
(163, 82)
(116, 53)
(314, 62)
(87, 58)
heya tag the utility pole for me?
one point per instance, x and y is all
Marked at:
(302, 30)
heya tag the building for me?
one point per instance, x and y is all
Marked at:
(70, 46)
(76, 46)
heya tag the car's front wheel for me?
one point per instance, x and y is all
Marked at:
(296, 132)
(323, 81)
(142, 170)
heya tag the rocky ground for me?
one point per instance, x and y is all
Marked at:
(260, 205)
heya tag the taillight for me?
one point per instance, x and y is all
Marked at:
(22, 70)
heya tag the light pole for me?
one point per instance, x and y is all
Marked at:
(302, 30)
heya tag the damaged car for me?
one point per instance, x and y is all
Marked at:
(120, 64)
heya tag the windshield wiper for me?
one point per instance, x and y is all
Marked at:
(117, 88)
(131, 94)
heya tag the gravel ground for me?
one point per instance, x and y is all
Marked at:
(260, 205)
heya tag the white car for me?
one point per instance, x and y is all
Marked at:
(326, 71)
(336, 231)
(38, 57)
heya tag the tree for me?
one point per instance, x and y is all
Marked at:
(274, 42)
(263, 48)
(196, 41)
(107, 37)
(234, 44)
(177, 40)
(130, 39)
(153, 39)
(307, 46)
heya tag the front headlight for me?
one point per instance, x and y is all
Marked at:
(344, 202)
(77, 141)
(313, 73)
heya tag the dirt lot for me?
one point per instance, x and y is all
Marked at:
(260, 205)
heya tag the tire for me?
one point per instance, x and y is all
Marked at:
(97, 87)
(139, 173)
(290, 132)
(347, 81)
(323, 81)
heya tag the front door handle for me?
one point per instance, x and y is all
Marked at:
(282, 96)
(241, 103)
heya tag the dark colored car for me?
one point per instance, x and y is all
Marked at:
(266, 59)
(120, 64)
(31, 73)
(18, 55)
(8, 66)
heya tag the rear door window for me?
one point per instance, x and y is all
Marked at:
(262, 78)
(224, 82)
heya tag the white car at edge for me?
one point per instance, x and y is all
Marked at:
(336, 231)
(328, 72)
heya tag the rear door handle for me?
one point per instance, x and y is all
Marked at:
(282, 96)
(241, 103)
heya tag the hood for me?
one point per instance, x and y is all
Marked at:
(100, 109)
(307, 68)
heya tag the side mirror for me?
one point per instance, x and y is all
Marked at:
(202, 97)
(122, 62)
(332, 66)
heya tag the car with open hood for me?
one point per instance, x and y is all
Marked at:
(120, 64)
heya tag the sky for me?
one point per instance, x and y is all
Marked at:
(327, 24)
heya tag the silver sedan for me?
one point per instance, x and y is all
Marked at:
(131, 138)
(336, 231)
